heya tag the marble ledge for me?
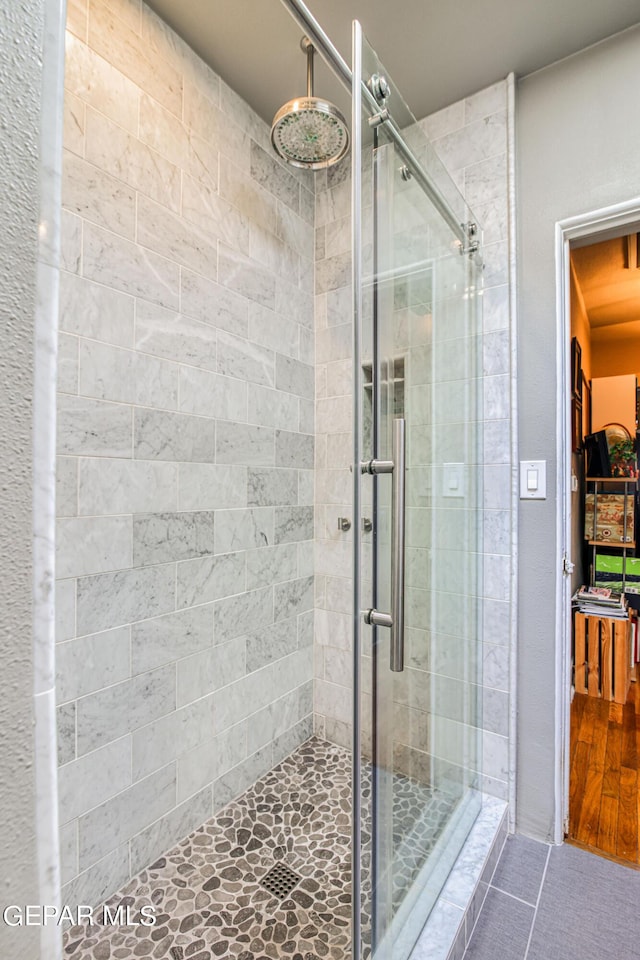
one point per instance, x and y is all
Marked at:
(447, 931)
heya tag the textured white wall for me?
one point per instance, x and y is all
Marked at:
(577, 150)
(27, 272)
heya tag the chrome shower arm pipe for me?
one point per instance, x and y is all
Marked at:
(310, 52)
(310, 26)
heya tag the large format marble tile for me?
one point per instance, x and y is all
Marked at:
(174, 336)
(110, 599)
(267, 725)
(244, 443)
(158, 435)
(97, 883)
(205, 486)
(294, 302)
(95, 311)
(97, 196)
(294, 449)
(122, 708)
(273, 253)
(220, 130)
(171, 637)
(98, 83)
(68, 851)
(273, 330)
(175, 239)
(209, 578)
(129, 52)
(268, 487)
(293, 523)
(269, 173)
(132, 269)
(65, 604)
(87, 664)
(147, 845)
(124, 156)
(292, 597)
(266, 646)
(243, 529)
(245, 360)
(86, 545)
(94, 778)
(66, 730)
(167, 135)
(212, 216)
(113, 822)
(272, 408)
(212, 303)
(292, 376)
(247, 195)
(209, 670)
(108, 486)
(246, 276)
(256, 690)
(66, 486)
(126, 376)
(241, 614)
(172, 736)
(271, 564)
(211, 760)
(333, 272)
(295, 231)
(162, 537)
(70, 242)
(93, 428)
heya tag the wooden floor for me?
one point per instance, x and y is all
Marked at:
(604, 803)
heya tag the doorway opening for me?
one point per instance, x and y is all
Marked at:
(603, 530)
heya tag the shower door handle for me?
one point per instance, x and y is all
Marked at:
(395, 619)
(397, 545)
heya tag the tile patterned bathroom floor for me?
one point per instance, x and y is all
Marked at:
(557, 903)
(208, 892)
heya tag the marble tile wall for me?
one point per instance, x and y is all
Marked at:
(333, 311)
(471, 139)
(186, 448)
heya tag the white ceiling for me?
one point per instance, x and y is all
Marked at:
(437, 52)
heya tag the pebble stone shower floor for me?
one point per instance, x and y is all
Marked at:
(227, 890)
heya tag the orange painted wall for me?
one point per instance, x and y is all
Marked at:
(614, 401)
(610, 358)
(580, 327)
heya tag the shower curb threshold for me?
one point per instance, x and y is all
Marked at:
(447, 932)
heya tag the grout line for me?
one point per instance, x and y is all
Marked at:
(535, 915)
(512, 896)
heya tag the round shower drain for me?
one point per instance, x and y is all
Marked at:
(280, 880)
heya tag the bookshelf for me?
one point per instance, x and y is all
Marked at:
(610, 518)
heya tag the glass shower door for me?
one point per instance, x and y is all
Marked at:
(417, 437)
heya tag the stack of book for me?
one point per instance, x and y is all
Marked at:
(600, 602)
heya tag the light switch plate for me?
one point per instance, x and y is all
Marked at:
(453, 479)
(533, 479)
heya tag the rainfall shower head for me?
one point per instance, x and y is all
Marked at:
(309, 132)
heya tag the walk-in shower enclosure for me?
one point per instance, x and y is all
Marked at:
(268, 498)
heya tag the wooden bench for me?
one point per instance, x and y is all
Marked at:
(602, 657)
